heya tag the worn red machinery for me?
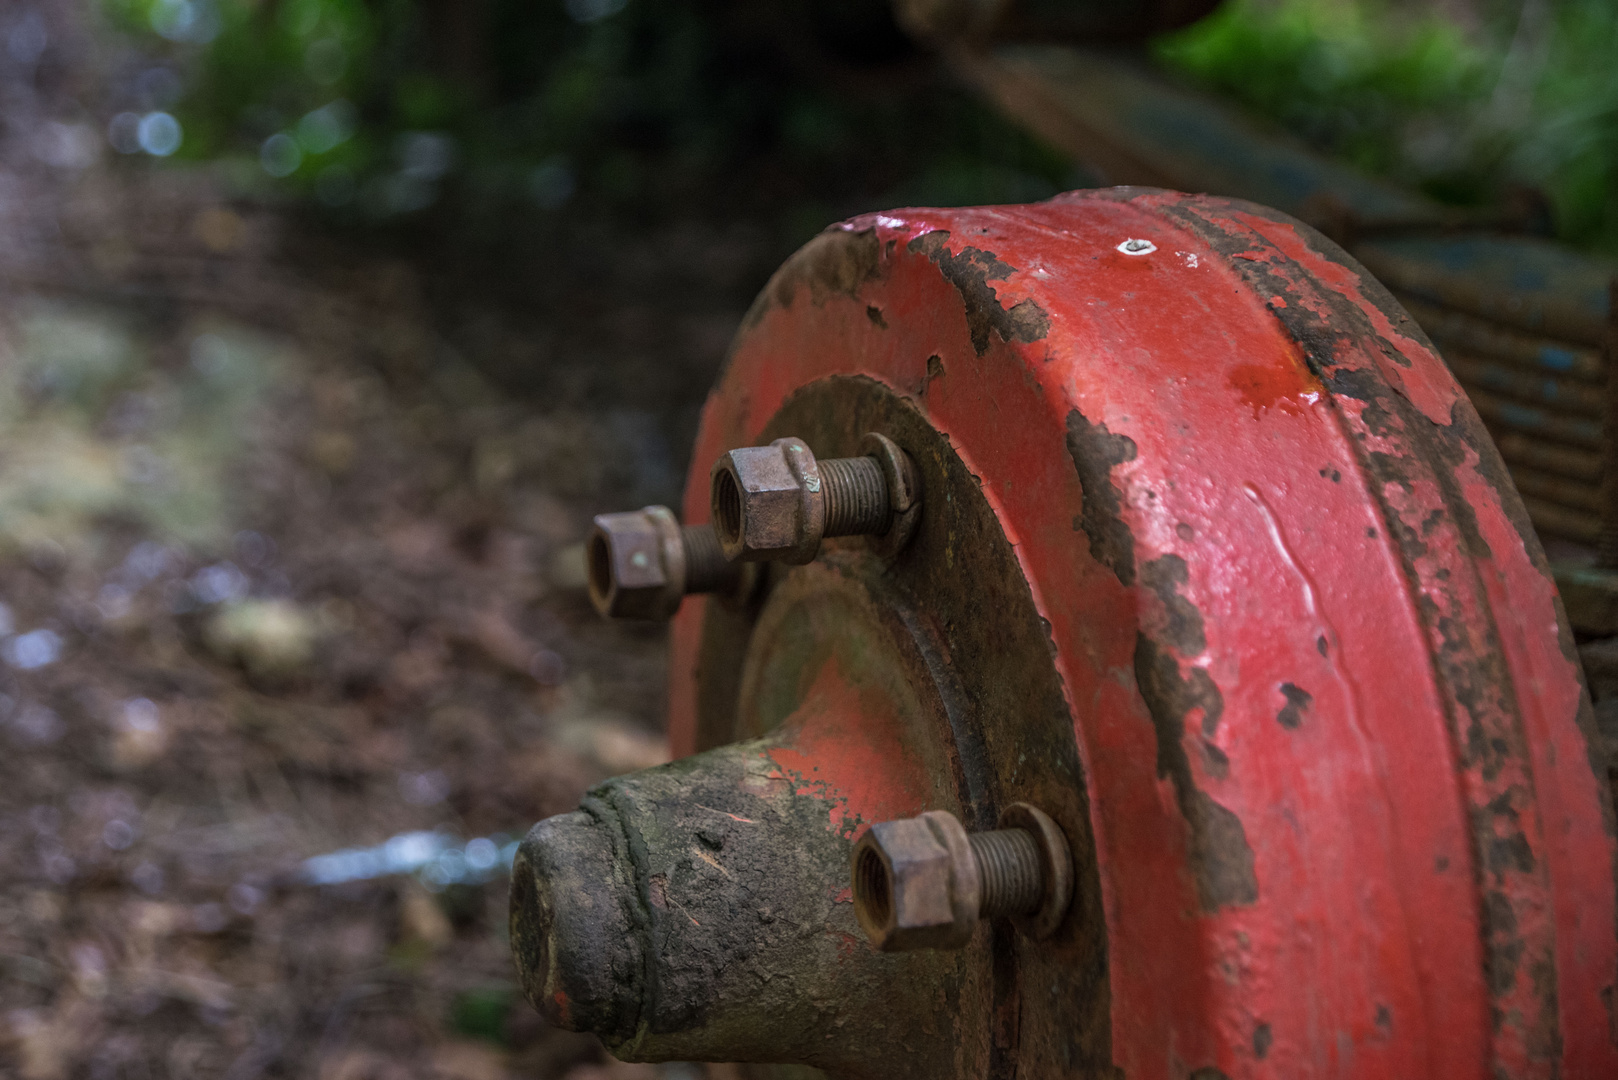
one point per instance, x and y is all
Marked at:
(1210, 561)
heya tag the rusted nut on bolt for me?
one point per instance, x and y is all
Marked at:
(641, 563)
(924, 882)
(916, 883)
(777, 502)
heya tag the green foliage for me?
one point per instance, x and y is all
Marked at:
(92, 429)
(1530, 98)
(258, 68)
(380, 108)
(482, 1012)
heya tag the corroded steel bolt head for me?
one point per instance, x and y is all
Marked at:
(769, 503)
(916, 884)
(778, 502)
(637, 564)
(924, 882)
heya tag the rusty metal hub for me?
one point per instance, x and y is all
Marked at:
(1214, 565)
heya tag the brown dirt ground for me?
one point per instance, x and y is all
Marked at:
(298, 519)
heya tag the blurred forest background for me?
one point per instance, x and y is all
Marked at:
(327, 326)
(801, 110)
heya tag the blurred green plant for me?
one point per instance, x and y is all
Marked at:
(258, 67)
(1526, 95)
(483, 1012)
(92, 430)
(379, 107)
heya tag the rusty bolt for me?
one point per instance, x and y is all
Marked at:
(777, 502)
(924, 882)
(643, 562)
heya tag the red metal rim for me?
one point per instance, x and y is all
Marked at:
(1341, 783)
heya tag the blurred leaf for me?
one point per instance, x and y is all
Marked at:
(1529, 98)
(481, 1012)
(640, 107)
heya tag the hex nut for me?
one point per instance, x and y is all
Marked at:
(636, 564)
(916, 883)
(768, 503)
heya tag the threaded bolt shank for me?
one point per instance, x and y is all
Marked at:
(856, 497)
(1009, 867)
(706, 568)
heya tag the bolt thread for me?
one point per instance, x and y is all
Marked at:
(856, 497)
(1009, 868)
(706, 568)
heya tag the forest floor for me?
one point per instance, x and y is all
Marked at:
(290, 564)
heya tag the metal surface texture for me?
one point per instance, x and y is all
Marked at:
(643, 563)
(694, 912)
(1217, 565)
(870, 718)
(924, 882)
(778, 502)
(703, 911)
(917, 883)
(1519, 318)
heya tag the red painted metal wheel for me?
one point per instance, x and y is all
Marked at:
(1336, 799)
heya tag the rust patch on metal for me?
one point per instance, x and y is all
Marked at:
(993, 661)
(1095, 451)
(1220, 858)
(1266, 387)
(1184, 630)
(835, 263)
(1172, 697)
(1414, 462)
(970, 272)
(1296, 707)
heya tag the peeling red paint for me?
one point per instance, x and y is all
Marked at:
(849, 946)
(847, 749)
(1426, 381)
(1271, 386)
(1368, 948)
